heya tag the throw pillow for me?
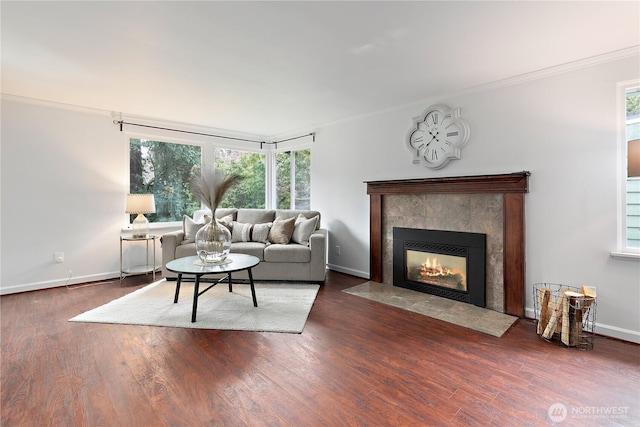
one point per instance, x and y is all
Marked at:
(281, 230)
(241, 232)
(303, 229)
(190, 228)
(226, 221)
(260, 232)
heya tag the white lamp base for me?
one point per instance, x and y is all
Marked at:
(140, 227)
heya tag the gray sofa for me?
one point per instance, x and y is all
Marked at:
(299, 260)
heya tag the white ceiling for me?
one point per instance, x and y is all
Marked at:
(269, 68)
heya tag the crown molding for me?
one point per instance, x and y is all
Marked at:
(54, 104)
(509, 81)
(562, 68)
(131, 117)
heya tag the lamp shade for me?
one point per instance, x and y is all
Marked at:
(140, 204)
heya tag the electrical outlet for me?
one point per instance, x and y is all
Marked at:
(58, 257)
(337, 250)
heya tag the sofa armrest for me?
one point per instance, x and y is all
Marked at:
(170, 241)
(318, 246)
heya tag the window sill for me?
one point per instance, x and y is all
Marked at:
(626, 255)
(158, 227)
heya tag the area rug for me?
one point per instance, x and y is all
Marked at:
(282, 307)
(459, 313)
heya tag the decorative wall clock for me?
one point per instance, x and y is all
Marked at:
(438, 136)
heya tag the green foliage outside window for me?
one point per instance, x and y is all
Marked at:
(165, 170)
(302, 177)
(250, 191)
(283, 179)
(633, 102)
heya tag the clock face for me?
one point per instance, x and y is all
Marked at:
(438, 137)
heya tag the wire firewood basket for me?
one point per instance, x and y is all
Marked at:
(565, 315)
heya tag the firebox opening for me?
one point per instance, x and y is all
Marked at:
(437, 269)
(449, 264)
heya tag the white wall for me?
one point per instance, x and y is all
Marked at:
(62, 190)
(561, 128)
(64, 180)
(64, 175)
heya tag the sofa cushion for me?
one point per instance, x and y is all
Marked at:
(188, 249)
(224, 212)
(288, 213)
(255, 216)
(190, 228)
(287, 253)
(281, 230)
(303, 229)
(249, 248)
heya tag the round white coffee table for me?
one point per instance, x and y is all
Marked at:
(193, 265)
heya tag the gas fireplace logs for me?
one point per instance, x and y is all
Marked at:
(566, 314)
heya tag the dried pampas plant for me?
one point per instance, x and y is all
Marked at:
(211, 186)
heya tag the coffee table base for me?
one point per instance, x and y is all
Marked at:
(197, 292)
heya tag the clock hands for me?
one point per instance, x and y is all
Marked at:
(433, 137)
(421, 145)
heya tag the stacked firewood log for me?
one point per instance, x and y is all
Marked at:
(565, 315)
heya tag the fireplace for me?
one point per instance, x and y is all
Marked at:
(448, 264)
(455, 203)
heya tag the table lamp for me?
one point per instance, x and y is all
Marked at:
(140, 204)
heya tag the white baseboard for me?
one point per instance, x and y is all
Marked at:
(605, 330)
(345, 270)
(36, 286)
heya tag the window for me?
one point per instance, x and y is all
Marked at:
(250, 192)
(629, 193)
(293, 179)
(164, 169)
(270, 178)
(632, 132)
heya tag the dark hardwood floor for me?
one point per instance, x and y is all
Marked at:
(357, 362)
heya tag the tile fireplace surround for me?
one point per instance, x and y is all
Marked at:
(490, 204)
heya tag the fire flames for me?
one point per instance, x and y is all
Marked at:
(432, 268)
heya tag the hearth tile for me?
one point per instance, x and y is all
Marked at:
(442, 304)
(461, 314)
(494, 323)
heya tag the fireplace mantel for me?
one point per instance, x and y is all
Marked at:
(511, 186)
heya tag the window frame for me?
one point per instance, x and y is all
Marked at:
(160, 138)
(214, 147)
(623, 250)
(207, 147)
(273, 197)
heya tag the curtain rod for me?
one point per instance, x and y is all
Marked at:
(121, 123)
